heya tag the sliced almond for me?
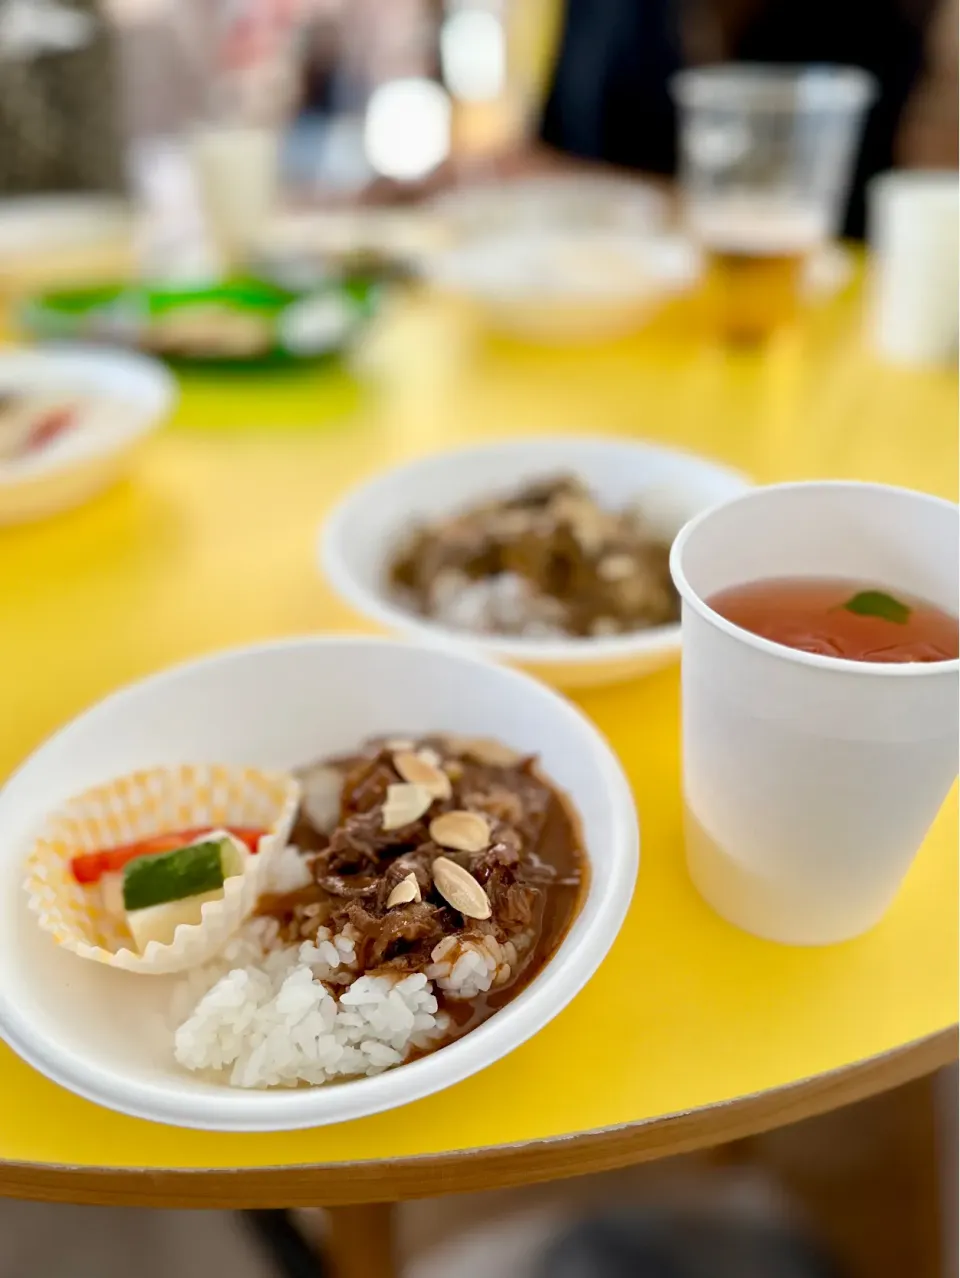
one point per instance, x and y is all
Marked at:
(459, 888)
(588, 523)
(616, 567)
(419, 770)
(404, 803)
(400, 743)
(407, 890)
(460, 830)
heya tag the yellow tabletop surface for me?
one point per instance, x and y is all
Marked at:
(211, 543)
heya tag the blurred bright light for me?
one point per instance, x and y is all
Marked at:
(473, 55)
(407, 128)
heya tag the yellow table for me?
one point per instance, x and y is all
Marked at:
(692, 1032)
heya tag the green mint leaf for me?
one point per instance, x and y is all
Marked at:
(874, 603)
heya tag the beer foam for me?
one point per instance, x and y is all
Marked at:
(764, 229)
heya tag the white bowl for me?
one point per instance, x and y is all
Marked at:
(34, 224)
(586, 201)
(362, 533)
(136, 392)
(556, 287)
(98, 1031)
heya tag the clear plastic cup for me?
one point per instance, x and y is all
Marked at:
(766, 158)
(810, 781)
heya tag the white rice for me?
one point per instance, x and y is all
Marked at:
(464, 968)
(287, 870)
(505, 603)
(269, 1017)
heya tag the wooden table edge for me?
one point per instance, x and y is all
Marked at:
(466, 1171)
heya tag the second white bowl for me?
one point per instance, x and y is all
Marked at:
(361, 535)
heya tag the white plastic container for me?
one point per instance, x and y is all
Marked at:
(810, 781)
(914, 231)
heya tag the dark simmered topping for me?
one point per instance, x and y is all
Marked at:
(547, 561)
(434, 849)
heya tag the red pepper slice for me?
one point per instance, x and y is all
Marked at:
(51, 425)
(90, 867)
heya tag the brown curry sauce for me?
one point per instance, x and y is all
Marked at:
(551, 870)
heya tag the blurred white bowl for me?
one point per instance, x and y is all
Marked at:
(38, 223)
(362, 534)
(402, 233)
(64, 240)
(100, 1031)
(557, 286)
(582, 201)
(129, 395)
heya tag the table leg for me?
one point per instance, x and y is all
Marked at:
(868, 1179)
(361, 1241)
(291, 1255)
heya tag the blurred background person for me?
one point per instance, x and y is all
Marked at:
(608, 97)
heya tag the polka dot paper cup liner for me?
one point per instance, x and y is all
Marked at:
(140, 806)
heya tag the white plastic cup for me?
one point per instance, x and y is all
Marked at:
(914, 231)
(236, 171)
(810, 781)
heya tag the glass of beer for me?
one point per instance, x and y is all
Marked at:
(766, 158)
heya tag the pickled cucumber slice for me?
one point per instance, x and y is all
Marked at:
(188, 871)
(163, 890)
(171, 876)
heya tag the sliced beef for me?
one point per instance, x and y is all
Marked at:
(416, 927)
(355, 887)
(515, 903)
(406, 930)
(358, 864)
(514, 796)
(360, 844)
(306, 836)
(416, 863)
(365, 784)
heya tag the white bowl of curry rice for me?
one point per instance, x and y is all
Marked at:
(462, 857)
(546, 553)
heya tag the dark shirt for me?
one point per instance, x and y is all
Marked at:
(609, 99)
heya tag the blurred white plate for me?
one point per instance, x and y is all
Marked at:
(33, 224)
(564, 286)
(562, 201)
(123, 397)
(407, 233)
